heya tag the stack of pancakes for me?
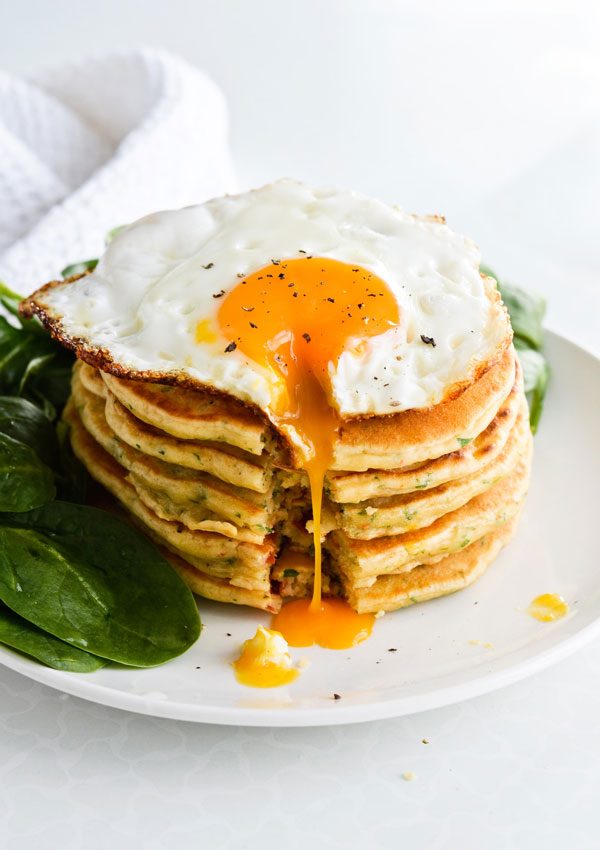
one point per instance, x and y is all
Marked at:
(417, 504)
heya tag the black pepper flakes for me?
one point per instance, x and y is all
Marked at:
(231, 347)
(247, 309)
(219, 294)
(428, 340)
(337, 696)
(252, 325)
(208, 266)
(294, 294)
(281, 275)
(306, 337)
(331, 300)
(392, 649)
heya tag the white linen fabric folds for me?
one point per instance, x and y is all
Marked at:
(97, 143)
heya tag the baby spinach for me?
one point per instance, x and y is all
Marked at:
(89, 579)
(28, 359)
(24, 637)
(72, 483)
(25, 482)
(535, 378)
(23, 421)
(113, 232)
(10, 300)
(79, 268)
(526, 311)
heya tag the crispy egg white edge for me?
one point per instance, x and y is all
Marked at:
(158, 277)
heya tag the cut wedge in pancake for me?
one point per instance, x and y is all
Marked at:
(400, 514)
(471, 456)
(360, 562)
(414, 436)
(449, 575)
(191, 414)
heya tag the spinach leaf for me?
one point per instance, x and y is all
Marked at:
(72, 483)
(46, 381)
(10, 300)
(526, 310)
(25, 482)
(17, 349)
(90, 579)
(23, 636)
(23, 421)
(33, 368)
(113, 232)
(79, 268)
(535, 376)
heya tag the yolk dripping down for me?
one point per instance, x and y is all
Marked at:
(295, 317)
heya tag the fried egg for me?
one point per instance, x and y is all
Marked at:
(155, 302)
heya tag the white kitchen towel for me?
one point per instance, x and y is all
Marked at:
(90, 145)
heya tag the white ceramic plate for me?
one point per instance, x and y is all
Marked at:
(436, 662)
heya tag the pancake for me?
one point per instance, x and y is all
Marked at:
(227, 463)
(360, 562)
(245, 565)
(438, 525)
(191, 414)
(360, 486)
(386, 442)
(90, 378)
(253, 587)
(221, 536)
(381, 573)
(449, 575)
(221, 590)
(398, 514)
(413, 436)
(183, 487)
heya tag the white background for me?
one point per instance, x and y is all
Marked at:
(489, 113)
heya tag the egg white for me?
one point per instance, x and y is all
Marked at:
(158, 278)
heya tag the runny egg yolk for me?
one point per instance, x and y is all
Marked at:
(548, 607)
(295, 317)
(264, 661)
